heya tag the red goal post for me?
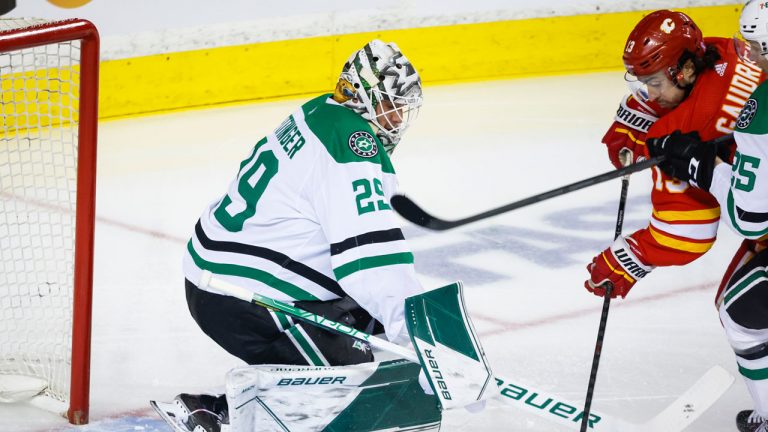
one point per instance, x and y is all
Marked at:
(49, 73)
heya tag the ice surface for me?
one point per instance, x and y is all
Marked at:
(475, 146)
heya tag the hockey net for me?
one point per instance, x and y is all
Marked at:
(49, 80)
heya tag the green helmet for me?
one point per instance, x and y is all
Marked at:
(379, 83)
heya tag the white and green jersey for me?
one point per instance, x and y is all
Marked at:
(308, 218)
(742, 188)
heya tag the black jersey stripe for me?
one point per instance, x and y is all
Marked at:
(276, 257)
(383, 236)
(752, 217)
(754, 353)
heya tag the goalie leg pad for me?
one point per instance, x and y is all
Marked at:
(364, 398)
(744, 314)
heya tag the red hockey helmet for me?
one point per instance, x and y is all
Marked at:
(659, 40)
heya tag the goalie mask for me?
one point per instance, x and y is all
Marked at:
(379, 83)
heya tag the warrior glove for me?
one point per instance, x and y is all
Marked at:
(618, 265)
(686, 157)
(627, 133)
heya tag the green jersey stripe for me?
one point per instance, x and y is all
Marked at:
(745, 283)
(732, 213)
(371, 262)
(250, 273)
(754, 374)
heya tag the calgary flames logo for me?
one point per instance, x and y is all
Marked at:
(667, 26)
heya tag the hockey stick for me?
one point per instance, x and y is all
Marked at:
(676, 417)
(417, 215)
(606, 306)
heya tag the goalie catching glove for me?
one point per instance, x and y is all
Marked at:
(687, 157)
(617, 265)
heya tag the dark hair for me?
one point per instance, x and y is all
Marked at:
(700, 64)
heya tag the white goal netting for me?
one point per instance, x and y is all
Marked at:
(38, 173)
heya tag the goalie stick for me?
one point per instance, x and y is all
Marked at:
(412, 212)
(675, 417)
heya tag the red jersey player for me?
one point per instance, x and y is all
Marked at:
(691, 83)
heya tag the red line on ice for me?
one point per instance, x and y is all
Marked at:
(508, 326)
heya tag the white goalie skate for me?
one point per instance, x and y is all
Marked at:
(194, 413)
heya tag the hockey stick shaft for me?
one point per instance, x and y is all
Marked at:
(415, 214)
(514, 392)
(604, 313)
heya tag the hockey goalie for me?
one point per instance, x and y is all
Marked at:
(306, 224)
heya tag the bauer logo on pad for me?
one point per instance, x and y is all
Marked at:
(363, 144)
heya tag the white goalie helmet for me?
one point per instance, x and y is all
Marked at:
(753, 24)
(379, 83)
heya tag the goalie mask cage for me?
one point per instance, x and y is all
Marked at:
(49, 74)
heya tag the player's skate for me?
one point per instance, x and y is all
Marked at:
(195, 413)
(750, 421)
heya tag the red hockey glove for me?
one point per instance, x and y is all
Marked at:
(617, 265)
(628, 130)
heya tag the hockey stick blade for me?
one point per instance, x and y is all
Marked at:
(688, 407)
(417, 215)
(684, 410)
(674, 418)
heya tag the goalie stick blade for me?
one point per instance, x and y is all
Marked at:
(692, 404)
(677, 416)
(171, 414)
(684, 410)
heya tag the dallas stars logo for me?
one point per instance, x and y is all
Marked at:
(747, 114)
(363, 144)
